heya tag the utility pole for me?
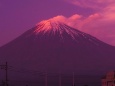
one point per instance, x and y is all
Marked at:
(73, 79)
(60, 80)
(46, 79)
(5, 67)
(6, 74)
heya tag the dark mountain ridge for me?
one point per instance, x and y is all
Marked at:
(53, 46)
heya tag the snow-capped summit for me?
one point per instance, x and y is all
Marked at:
(53, 27)
(48, 25)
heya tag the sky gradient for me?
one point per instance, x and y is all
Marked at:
(94, 17)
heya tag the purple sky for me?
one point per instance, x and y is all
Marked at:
(94, 17)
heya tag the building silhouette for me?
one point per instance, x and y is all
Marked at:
(109, 79)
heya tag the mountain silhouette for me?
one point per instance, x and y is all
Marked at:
(53, 46)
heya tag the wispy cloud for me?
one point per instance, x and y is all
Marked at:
(91, 3)
(100, 24)
(96, 24)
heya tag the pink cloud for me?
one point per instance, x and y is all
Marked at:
(60, 18)
(100, 24)
(95, 4)
(96, 24)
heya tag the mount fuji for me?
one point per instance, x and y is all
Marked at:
(53, 46)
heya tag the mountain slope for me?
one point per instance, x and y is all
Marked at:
(53, 46)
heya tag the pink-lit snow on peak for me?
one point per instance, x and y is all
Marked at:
(54, 26)
(46, 25)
